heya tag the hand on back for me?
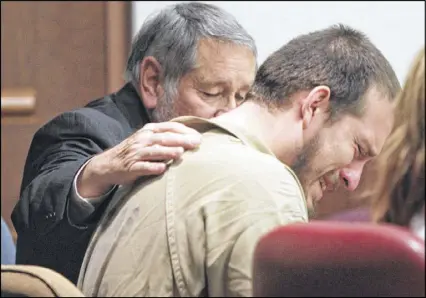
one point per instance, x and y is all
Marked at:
(146, 152)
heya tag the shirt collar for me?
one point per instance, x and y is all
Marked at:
(243, 134)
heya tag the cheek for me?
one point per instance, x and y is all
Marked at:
(332, 155)
(189, 103)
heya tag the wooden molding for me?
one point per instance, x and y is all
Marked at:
(118, 38)
(17, 102)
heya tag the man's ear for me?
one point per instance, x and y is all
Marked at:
(315, 104)
(150, 82)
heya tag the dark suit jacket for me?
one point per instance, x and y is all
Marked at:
(58, 149)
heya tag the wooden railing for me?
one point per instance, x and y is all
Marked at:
(18, 102)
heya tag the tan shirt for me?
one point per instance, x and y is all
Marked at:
(193, 230)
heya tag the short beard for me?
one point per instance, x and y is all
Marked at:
(302, 166)
(164, 111)
(312, 211)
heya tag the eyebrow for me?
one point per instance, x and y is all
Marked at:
(214, 83)
(209, 83)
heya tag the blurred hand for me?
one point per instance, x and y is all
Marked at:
(146, 152)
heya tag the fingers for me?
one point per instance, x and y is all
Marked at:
(170, 139)
(169, 127)
(149, 151)
(146, 168)
(160, 153)
(153, 160)
(171, 134)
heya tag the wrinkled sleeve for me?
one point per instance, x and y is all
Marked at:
(57, 152)
(252, 206)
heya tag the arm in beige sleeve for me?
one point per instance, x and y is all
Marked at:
(288, 195)
(239, 271)
(254, 205)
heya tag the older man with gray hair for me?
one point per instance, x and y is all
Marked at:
(189, 59)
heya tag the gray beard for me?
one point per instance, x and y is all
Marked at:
(164, 110)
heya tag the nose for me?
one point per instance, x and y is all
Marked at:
(229, 105)
(351, 176)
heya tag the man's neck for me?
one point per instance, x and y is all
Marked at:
(277, 130)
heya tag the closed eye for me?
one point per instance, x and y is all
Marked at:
(361, 153)
(210, 94)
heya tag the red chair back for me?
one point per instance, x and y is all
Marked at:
(339, 259)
